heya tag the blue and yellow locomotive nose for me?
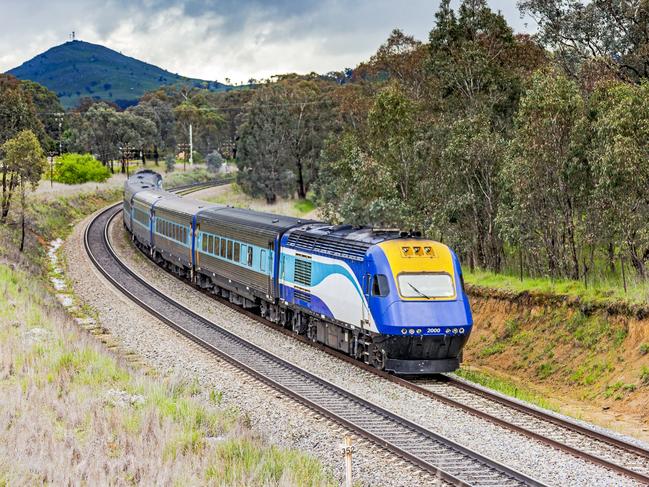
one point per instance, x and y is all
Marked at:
(417, 299)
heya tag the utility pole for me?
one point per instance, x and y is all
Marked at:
(191, 146)
(52, 154)
(59, 117)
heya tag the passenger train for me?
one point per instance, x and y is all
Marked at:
(391, 299)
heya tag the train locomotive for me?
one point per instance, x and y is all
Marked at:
(391, 299)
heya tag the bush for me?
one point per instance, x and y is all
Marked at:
(198, 158)
(214, 161)
(170, 163)
(79, 168)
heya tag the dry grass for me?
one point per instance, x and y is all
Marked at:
(232, 194)
(72, 413)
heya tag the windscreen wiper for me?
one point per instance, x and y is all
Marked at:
(418, 291)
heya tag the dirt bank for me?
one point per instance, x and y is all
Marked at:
(592, 364)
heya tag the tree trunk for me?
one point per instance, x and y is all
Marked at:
(156, 155)
(301, 192)
(22, 217)
(611, 258)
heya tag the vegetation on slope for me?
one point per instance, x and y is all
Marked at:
(96, 419)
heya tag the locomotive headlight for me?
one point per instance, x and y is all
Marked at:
(411, 331)
(448, 330)
(454, 331)
(419, 331)
(404, 331)
(462, 330)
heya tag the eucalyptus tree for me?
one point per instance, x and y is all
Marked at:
(619, 155)
(24, 163)
(547, 175)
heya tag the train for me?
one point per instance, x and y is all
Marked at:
(389, 298)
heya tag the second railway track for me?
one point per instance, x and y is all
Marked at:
(582, 442)
(431, 452)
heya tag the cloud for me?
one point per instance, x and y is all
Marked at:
(218, 39)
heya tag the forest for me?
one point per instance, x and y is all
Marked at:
(527, 154)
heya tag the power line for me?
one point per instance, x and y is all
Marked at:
(211, 109)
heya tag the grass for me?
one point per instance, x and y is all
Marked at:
(604, 290)
(506, 387)
(193, 175)
(233, 195)
(96, 419)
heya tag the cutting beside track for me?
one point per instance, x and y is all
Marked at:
(431, 452)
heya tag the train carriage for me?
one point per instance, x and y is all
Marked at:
(173, 224)
(236, 250)
(143, 181)
(141, 215)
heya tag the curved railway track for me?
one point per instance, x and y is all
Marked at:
(429, 451)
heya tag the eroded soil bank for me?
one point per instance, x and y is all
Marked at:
(590, 363)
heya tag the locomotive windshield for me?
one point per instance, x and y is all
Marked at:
(426, 285)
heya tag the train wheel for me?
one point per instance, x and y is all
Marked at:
(378, 357)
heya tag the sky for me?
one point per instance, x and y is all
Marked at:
(224, 39)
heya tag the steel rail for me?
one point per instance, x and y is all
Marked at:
(424, 448)
(566, 424)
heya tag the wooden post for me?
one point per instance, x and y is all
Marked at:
(348, 450)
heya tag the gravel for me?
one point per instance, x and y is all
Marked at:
(282, 421)
(289, 424)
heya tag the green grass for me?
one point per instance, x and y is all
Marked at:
(304, 206)
(61, 385)
(506, 387)
(603, 291)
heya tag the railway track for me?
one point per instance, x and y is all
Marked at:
(429, 451)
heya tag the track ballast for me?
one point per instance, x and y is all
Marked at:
(429, 451)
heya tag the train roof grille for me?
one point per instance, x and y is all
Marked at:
(331, 245)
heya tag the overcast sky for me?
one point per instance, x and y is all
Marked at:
(219, 39)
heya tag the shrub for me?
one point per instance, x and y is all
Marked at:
(170, 163)
(214, 161)
(79, 168)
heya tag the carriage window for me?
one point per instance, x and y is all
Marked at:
(263, 261)
(229, 249)
(237, 252)
(223, 247)
(250, 256)
(203, 242)
(215, 250)
(380, 285)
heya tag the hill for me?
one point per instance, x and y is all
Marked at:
(78, 69)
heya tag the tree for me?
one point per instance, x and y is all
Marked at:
(614, 32)
(103, 131)
(470, 53)
(469, 182)
(204, 120)
(385, 177)
(161, 113)
(24, 162)
(17, 110)
(547, 175)
(619, 158)
(48, 110)
(264, 147)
